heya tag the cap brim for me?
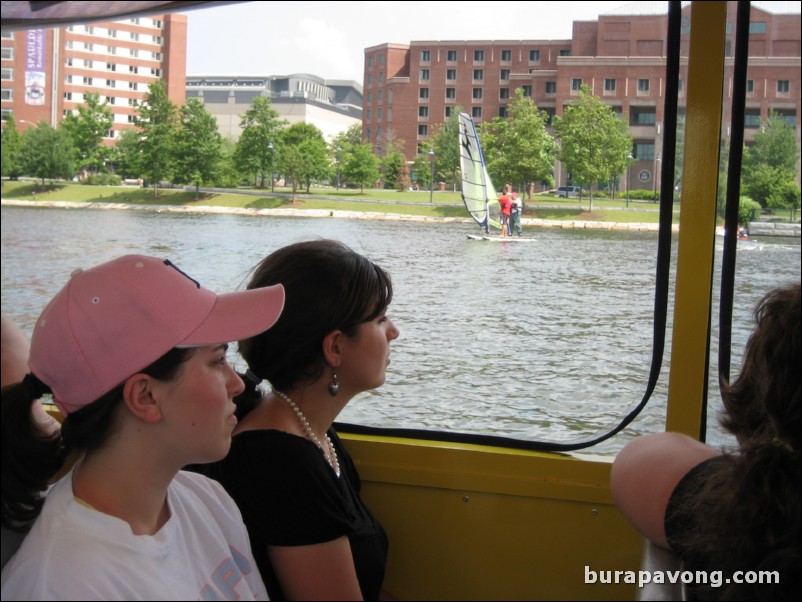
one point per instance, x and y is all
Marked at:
(238, 316)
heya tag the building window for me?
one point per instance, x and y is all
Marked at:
(424, 75)
(449, 111)
(478, 74)
(370, 79)
(132, 86)
(750, 86)
(476, 112)
(783, 87)
(368, 115)
(534, 56)
(133, 52)
(5, 113)
(112, 50)
(644, 117)
(609, 86)
(381, 76)
(423, 94)
(7, 94)
(379, 114)
(504, 93)
(112, 33)
(111, 100)
(643, 87)
(478, 56)
(505, 74)
(381, 62)
(502, 112)
(380, 95)
(506, 56)
(757, 27)
(423, 129)
(451, 56)
(451, 75)
(155, 72)
(576, 84)
(477, 94)
(68, 79)
(109, 83)
(752, 118)
(527, 91)
(8, 53)
(551, 87)
(565, 52)
(133, 69)
(157, 24)
(423, 111)
(370, 62)
(87, 81)
(451, 93)
(425, 56)
(89, 46)
(369, 97)
(644, 151)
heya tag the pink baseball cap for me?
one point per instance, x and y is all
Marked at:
(113, 320)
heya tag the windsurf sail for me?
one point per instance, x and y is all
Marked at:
(478, 192)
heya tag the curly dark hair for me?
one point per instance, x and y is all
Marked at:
(746, 513)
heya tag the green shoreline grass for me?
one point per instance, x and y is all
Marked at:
(443, 205)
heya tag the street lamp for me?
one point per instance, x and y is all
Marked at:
(431, 182)
(629, 180)
(272, 166)
(339, 157)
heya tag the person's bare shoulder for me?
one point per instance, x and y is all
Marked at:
(15, 351)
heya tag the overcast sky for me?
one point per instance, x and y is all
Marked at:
(328, 39)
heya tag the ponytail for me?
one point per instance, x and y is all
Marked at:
(31, 456)
(249, 398)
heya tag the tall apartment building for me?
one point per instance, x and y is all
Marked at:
(46, 73)
(411, 89)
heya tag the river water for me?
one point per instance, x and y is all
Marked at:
(544, 339)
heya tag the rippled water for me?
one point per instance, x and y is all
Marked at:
(544, 339)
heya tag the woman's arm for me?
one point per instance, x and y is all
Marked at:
(322, 571)
(644, 476)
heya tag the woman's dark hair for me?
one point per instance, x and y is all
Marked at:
(31, 457)
(327, 287)
(748, 509)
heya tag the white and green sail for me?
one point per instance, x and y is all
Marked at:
(478, 192)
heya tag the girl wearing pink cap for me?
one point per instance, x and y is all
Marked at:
(134, 353)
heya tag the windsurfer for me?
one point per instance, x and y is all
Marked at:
(515, 214)
(506, 209)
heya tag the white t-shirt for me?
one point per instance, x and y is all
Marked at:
(74, 552)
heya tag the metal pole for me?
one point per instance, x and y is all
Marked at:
(272, 164)
(431, 183)
(629, 174)
(339, 155)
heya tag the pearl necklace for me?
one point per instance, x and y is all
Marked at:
(332, 459)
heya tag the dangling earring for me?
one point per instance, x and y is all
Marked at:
(334, 386)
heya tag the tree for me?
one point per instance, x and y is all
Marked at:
(87, 127)
(304, 155)
(341, 146)
(394, 171)
(126, 156)
(198, 145)
(47, 153)
(158, 118)
(362, 166)
(592, 142)
(518, 149)
(445, 142)
(770, 164)
(261, 127)
(11, 145)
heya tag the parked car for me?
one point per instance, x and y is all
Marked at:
(568, 192)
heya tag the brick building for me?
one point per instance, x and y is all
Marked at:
(411, 89)
(47, 72)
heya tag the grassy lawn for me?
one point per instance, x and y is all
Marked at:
(444, 204)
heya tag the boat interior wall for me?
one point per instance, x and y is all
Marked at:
(484, 523)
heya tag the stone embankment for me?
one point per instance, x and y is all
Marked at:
(774, 229)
